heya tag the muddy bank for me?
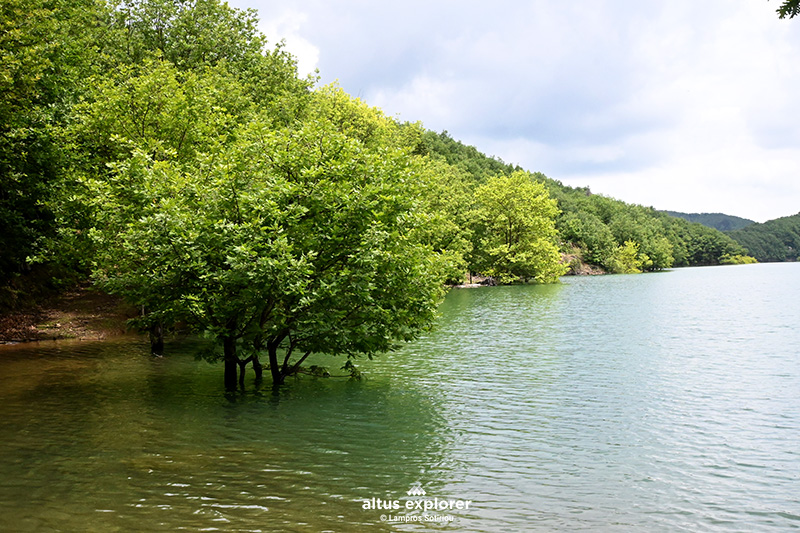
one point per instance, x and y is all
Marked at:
(77, 314)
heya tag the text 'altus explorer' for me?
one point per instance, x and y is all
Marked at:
(422, 504)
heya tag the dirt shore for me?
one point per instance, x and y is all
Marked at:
(77, 314)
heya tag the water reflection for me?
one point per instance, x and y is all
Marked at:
(492, 360)
(654, 402)
(108, 436)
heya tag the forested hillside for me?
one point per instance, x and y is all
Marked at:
(167, 152)
(718, 221)
(774, 240)
(601, 231)
(164, 152)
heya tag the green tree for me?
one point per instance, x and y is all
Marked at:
(195, 34)
(159, 110)
(45, 52)
(599, 225)
(56, 53)
(728, 259)
(451, 215)
(627, 259)
(292, 241)
(466, 158)
(188, 33)
(592, 236)
(515, 239)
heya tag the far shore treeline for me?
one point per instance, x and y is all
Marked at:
(164, 151)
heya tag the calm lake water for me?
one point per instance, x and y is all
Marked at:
(658, 402)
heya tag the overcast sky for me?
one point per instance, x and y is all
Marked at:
(680, 105)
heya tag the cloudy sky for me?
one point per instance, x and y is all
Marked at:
(680, 105)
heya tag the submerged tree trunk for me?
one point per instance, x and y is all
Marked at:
(274, 367)
(157, 338)
(257, 368)
(242, 370)
(231, 362)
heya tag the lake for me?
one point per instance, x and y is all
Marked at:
(655, 402)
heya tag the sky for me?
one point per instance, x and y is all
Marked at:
(681, 105)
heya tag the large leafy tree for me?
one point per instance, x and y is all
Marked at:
(516, 235)
(219, 192)
(451, 212)
(56, 53)
(289, 241)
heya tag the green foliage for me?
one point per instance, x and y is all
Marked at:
(319, 371)
(774, 240)
(298, 239)
(451, 216)
(602, 226)
(585, 230)
(196, 34)
(515, 235)
(718, 221)
(729, 259)
(208, 185)
(596, 225)
(699, 245)
(353, 118)
(352, 370)
(789, 9)
(599, 226)
(42, 62)
(188, 33)
(627, 259)
(158, 110)
(59, 57)
(193, 35)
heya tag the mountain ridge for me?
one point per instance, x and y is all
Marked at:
(720, 221)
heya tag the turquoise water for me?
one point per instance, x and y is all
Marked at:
(658, 402)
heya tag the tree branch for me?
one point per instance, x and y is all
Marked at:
(299, 362)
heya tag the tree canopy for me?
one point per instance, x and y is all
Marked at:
(166, 151)
(291, 239)
(43, 60)
(515, 234)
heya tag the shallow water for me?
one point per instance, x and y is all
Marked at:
(659, 402)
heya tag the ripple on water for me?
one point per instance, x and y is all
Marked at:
(647, 403)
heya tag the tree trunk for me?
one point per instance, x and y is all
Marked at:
(242, 370)
(257, 368)
(231, 362)
(275, 369)
(157, 338)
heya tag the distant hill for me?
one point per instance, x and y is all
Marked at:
(774, 240)
(718, 221)
(596, 232)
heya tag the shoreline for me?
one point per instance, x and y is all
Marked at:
(83, 313)
(80, 313)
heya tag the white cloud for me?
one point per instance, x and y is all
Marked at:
(682, 105)
(422, 97)
(287, 26)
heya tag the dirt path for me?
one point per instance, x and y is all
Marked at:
(77, 314)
